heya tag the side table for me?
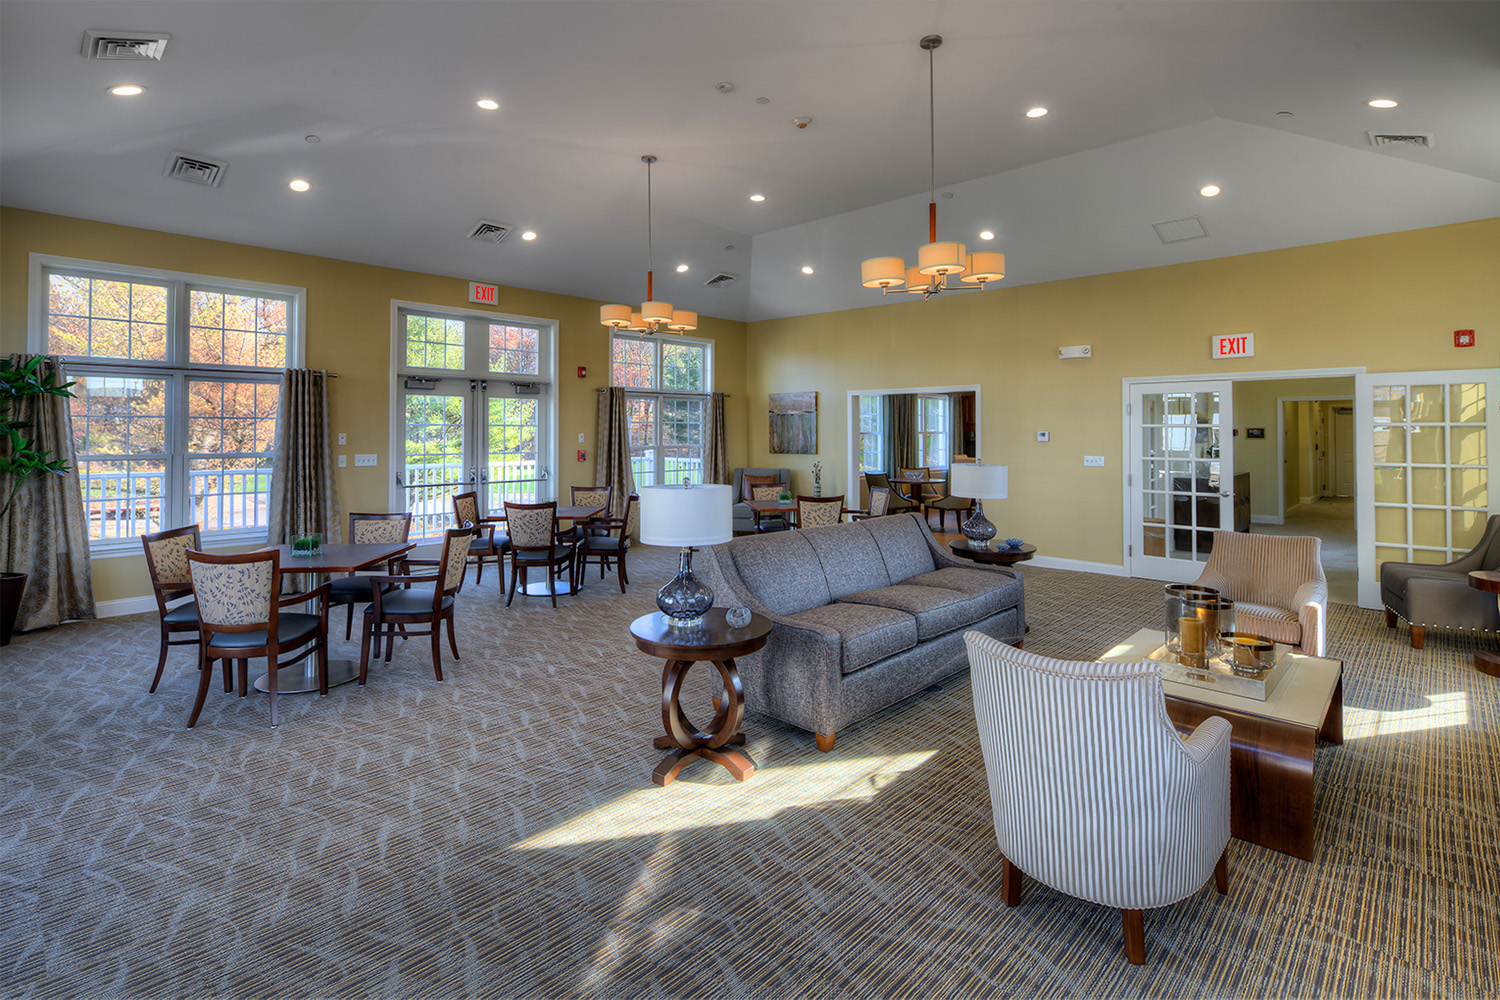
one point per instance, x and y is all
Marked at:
(1488, 580)
(999, 555)
(712, 640)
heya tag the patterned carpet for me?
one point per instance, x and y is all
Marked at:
(498, 835)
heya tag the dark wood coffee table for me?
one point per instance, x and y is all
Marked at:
(998, 554)
(1486, 661)
(714, 641)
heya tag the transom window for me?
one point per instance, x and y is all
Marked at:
(669, 379)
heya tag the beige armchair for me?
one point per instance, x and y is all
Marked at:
(1276, 583)
(1093, 792)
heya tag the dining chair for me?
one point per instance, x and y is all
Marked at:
(909, 487)
(880, 505)
(488, 543)
(945, 501)
(534, 542)
(815, 512)
(897, 503)
(589, 496)
(367, 529)
(166, 561)
(240, 619)
(608, 547)
(769, 522)
(397, 603)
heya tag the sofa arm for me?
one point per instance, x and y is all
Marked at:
(1311, 604)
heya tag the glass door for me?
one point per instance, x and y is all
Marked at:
(1424, 466)
(1180, 476)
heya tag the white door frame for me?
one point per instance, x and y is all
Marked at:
(851, 425)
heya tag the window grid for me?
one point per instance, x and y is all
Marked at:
(434, 342)
(515, 350)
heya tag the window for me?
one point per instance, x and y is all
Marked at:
(178, 380)
(933, 423)
(668, 407)
(871, 434)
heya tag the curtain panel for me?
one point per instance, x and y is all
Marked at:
(303, 496)
(903, 431)
(45, 534)
(612, 454)
(716, 448)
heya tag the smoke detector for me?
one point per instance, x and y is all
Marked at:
(195, 169)
(494, 232)
(125, 46)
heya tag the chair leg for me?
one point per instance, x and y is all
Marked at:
(349, 622)
(479, 570)
(270, 682)
(228, 676)
(1390, 618)
(824, 741)
(1011, 879)
(1221, 873)
(367, 626)
(1134, 926)
(1418, 636)
(620, 566)
(244, 672)
(452, 641)
(323, 665)
(437, 651)
(515, 572)
(205, 675)
(161, 661)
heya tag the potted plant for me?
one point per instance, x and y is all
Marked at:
(20, 459)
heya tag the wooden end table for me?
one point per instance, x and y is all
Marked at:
(1486, 661)
(714, 641)
(999, 555)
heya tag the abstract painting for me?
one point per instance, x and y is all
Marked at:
(794, 423)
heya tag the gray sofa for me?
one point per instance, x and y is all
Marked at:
(865, 614)
(744, 517)
(1423, 594)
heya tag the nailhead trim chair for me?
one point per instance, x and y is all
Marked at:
(1438, 595)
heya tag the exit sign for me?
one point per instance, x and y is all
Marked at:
(1234, 345)
(484, 294)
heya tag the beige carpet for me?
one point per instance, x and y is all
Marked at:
(497, 834)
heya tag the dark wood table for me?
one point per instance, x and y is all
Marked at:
(997, 554)
(343, 557)
(714, 641)
(1486, 661)
(540, 588)
(759, 508)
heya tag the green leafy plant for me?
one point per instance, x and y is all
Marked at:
(20, 458)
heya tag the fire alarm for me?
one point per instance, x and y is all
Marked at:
(1463, 338)
(583, 371)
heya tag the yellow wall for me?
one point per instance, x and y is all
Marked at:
(348, 331)
(1256, 404)
(1388, 303)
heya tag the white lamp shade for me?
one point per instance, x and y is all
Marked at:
(656, 312)
(683, 319)
(979, 482)
(916, 281)
(637, 325)
(984, 266)
(614, 316)
(679, 516)
(883, 272)
(942, 258)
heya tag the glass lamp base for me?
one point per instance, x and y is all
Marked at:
(684, 600)
(978, 529)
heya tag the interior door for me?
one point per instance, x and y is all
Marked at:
(1180, 476)
(1343, 450)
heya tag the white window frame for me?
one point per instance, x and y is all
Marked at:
(178, 369)
(663, 396)
(877, 436)
(945, 432)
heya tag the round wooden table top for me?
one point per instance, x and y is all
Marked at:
(1485, 579)
(710, 638)
(996, 554)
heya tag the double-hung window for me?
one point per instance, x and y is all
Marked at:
(871, 434)
(934, 421)
(668, 380)
(178, 379)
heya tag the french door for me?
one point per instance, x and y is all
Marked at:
(461, 434)
(1180, 475)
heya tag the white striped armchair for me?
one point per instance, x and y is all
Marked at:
(1093, 792)
(1276, 583)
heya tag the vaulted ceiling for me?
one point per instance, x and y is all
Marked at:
(373, 103)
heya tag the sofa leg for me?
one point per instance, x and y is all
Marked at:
(1390, 618)
(1010, 882)
(1134, 926)
(825, 743)
(1418, 636)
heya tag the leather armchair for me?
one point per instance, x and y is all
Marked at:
(1427, 595)
(1276, 583)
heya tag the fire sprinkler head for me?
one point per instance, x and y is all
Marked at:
(802, 122)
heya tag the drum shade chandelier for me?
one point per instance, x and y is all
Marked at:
(936, 262)
(653, 316)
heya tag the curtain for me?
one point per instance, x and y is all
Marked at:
(303, 497)
(45, 534)
(612, 452)
(716, 447)
(955, 425)
(902, 431)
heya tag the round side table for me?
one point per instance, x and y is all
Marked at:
(1488, 580)
(712, 640)
(999, 555)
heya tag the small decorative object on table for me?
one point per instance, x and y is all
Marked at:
(308, 544)
(1014, 543)
(1248, 655)
(785, 497)
(685, 516)
(978, 482)
(737, 617)
(1184, 629)
(817, 479)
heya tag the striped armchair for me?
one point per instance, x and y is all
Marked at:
(1276, 583)
(1093, 792)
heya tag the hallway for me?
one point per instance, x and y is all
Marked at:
(1332, 520)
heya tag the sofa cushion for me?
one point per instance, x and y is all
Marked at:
(902, 545)
(1276, 624)
(866, 633)
(992, 590)
(851, 560)
(936, 610)
(781, 570)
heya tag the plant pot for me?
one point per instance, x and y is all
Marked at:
(11, 586)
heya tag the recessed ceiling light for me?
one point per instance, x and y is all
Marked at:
(128, 90)
(1037, 113)
(681, 268)
(1209, 190)
(529, 235)
(300, 185)
(757, 197)
(806, 269)
(1383, 102)
(488, 104)
(987, 235)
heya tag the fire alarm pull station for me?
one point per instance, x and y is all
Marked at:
(582, 455)
(1463, 338)
(583, 371)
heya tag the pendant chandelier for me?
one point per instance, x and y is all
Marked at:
(653, 316)
(936, 262)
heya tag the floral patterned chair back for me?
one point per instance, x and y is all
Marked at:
(592, 496)
(880, 501)
(166, 554)
(814, 512)
(455, 560)
(379, 529)
(531, 525)
(466, 509)
(234, 593)
(768, 492)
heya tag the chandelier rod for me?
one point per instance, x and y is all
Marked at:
(648, 160)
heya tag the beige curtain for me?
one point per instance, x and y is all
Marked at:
(45, 534)
(612, 451)
(901, 431)
(303, 497)
(716, 447)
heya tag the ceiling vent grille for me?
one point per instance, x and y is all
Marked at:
(196, 169)
(492, 232)
(1420, 140)
(719, 280)
(125, 46)
(1180, 230)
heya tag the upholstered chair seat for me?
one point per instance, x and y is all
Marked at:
(290, 627)
(167, 562)
(406, 599)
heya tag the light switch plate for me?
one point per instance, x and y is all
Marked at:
(343, 461)
(1093, 461)
(364, 460)
(580, 438)
(343, 439)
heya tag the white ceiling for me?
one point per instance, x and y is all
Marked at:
(1149, 101)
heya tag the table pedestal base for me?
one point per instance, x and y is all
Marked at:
(1487, 663)
(300, 678)
(736, 762)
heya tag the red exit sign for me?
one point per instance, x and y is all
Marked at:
(488, 295)
(1234, 345)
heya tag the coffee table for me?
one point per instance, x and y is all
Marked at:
(1271, 789)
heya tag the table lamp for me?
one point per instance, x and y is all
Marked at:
(981, 482)
(686, 516)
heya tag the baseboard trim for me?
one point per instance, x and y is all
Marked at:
(1076, 565)
(124, 606)
(1266, 519)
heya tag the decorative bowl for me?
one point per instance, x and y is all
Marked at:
(1014, 543)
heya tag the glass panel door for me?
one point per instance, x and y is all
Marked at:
(513, 430)
(1180, 476)
(436, 463)
(1424, 467)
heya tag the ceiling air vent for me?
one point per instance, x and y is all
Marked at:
(494, 232)
(196, 169)
(1180, 230)
(125, 46)
(1421, 140)
(719, 280)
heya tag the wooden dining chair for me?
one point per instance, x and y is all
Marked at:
(488, 542)
(240, 619)
(769, 522)
(908, 485)
(404, 599)
(609, 547)
(880, 505)
(534, 542)
(815, 512)
(896, 502)
(589, 496)
(367, 529)
(166, 561)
